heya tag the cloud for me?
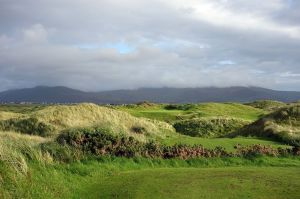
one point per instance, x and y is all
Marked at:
(100, 45)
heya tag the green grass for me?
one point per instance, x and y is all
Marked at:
(22, 108)
(262, 177)
(267, 105)
(282, 125)
(230, 110)
(161, 114)
(27, 171)
(199, 183)
(227, 143)
(234, 110)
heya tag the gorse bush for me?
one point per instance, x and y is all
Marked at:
(28, 126)
(257, 150)
(183, 107)
(209, 127)
(99, 142)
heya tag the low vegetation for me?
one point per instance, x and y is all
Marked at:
(282, 125)
(267, 105)
(174, 112)
(92, 151)
(53, 119)
(209, 127)
(31, 126)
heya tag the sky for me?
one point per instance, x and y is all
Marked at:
(96, 45)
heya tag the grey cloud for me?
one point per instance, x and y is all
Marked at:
(74, 43)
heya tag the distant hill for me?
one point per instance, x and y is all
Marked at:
(44, 94)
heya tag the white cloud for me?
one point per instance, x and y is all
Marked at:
(95, 45)
(35, 34)
(218, 14)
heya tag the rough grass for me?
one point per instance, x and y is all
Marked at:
(4, 115)
(87, 115)
(283, 125)
(30, 126)
(209, 127)
(22, 108)
(267, 105)
(16, 148)
(28, 171)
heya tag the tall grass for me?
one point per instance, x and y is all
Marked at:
(16, 149)
(283, 125)
(267, 105)
(8, 115)
(87, 115)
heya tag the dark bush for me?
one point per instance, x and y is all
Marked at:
(101, 142)
(138, 129)
(215, 127)
(27, 126)
(258, 150)
(183, 107)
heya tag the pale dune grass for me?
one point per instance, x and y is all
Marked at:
(16, 148)
(87, 115)
(9, 115)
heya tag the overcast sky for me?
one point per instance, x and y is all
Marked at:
(111, 44)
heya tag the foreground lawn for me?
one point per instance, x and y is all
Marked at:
(199, 183)
(261, 177)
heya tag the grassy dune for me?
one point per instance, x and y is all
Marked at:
(267, 105)
(28, 169)
(282, 125)
(86, 115)
(4, 115)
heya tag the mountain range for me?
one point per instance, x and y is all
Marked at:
(60, 94)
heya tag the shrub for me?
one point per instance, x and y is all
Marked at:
(214, 127)
(183, 107)
(28, 126)
(99, 142)
(258, 150)
(138, 129)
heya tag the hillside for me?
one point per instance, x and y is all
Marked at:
(53, 119)
(283, 125)
(43, 94)
(91, 151)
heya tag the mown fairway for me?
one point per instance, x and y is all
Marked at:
(163, 113)
(227, 143)
(199, 183)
